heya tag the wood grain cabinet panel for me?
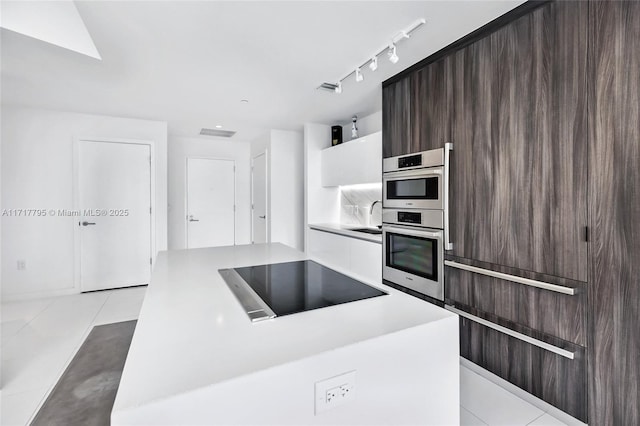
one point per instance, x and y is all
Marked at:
(555, 314)
(519, 167)
(551, 377)
(614, 213)
(431, 105)
(544, 114)
(396, 119)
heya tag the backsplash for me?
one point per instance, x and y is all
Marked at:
(355, 204)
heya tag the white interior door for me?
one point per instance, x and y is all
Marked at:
(114, 188)
(210, 203)
(259, 199)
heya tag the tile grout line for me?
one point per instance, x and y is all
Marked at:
(541, 415)
(475, 415)
(492, 383)
(67, 362)
(30, 321)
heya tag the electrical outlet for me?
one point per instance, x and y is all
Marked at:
(345, 390)
(334, 392)
(22, 265)
(332, 395)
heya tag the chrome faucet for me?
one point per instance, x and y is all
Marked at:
(371, 210)
(373, 204)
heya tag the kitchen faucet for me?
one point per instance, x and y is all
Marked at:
(373, 204)
(371, 210)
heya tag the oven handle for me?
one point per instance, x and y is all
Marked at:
(448, 147)
(412, 231)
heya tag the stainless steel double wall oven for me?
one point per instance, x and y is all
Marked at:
(415, 227)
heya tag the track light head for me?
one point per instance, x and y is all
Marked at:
(338, 88)
(393, 56)
(373, 65)
(359, 76)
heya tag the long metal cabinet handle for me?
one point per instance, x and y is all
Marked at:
(539, 343)
(448, 147)
(516, 279)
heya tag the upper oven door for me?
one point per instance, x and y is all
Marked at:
(416, 189)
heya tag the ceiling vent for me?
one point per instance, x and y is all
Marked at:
(328, 86)
(216, 132)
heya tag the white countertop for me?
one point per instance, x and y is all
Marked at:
(193, 333)
(346, 230)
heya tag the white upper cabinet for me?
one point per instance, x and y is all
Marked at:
(356, 161)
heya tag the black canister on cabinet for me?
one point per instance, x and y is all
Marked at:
(336, 135)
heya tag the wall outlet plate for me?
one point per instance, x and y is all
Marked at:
(335, 391)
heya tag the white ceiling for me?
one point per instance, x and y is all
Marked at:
(190, 63)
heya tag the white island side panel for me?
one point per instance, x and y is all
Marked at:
(403, 378)
(193, 334)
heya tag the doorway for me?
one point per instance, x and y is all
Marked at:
(114, 214)
(210, 202)
(259, 199)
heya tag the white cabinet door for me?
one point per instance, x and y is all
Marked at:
(371, 161)
(365, 259)
(362, 259)
(333, 163)
(329, 249)
(354, 162)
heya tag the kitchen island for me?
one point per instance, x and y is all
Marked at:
(196, 358)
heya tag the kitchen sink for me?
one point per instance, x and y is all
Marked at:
(367, 230)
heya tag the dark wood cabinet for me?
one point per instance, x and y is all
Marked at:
(555, 314)
(543, 110)
(551, 377)
(431, 105)
(396, 119)
(416, 113)
(519, 167)
(614, 213)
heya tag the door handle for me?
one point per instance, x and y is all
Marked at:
(85, 223)
(262, 217)
(448, 147)
(191, 219)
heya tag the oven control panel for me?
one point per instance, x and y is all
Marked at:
(410, 217)
(410, 161)
(423, 218)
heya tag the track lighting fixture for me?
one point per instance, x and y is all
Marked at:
(373, 65)
(393, 56)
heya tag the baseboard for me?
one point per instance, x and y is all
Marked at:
(522, 394)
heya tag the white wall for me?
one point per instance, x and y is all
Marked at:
(182, 148)
(366, 125)
(37, 173)
(321, 205)
(285, 187)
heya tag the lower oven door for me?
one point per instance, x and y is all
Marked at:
(413, 258)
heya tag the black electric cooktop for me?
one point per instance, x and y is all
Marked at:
(267, 291)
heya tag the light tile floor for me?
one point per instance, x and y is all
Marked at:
(40, 337)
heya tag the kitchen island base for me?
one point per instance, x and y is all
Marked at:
(196, 358)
